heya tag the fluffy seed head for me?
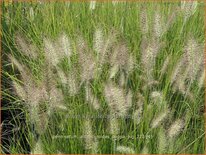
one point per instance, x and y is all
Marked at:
(34, 116)
(38, 148)
(64, 46)
(31, 92)
(124, 149)
(36, 94)
(55, 98)
(201, 79)
(144, 26)
(31, 13)
(98, 42)
(129, 98)
(73, 83)
(62, 76)
(68, 4)
(19, 66)
(157, 96)
(148, 58)
(162, 141)
(130, 64)
(92, 5)
(50, 52)
(42, 122)
(159, 119)
(140, 100)
(114, 126)
(116, 99)
(114, 2)
(103, 45)
(137, 115)
(120, 56)
(91, 98)
(25, 47)
(122, 80)
(158, 28)
(113, 71)
(70, 80)
(178, 69)
(145, 150)
(20, 90)
(195, 58)
(175, 128)
(165, 66)
(88, 134)
(171, 19)
(86, 60)
(91, 143)
(188, 8)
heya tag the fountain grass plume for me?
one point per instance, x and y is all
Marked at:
(162, 141)
(159, 119)
(86, 60)
(117, 99)
(91, 143)
(64, 46)
(91, 99)
(175, 128)
(144, 24)
(51, 54)
(124, 149)
(25, 47)
(114, 127)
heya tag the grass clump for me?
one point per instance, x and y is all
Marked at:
(96, 77)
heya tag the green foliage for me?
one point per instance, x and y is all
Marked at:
(65, 127)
